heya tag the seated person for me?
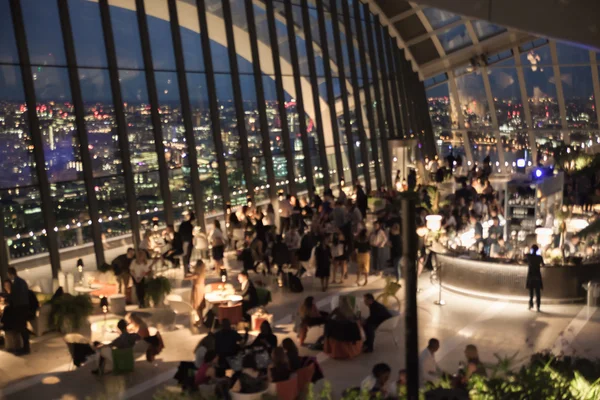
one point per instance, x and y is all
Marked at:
(205, 345)
(294, 360)
(228, 342)
(377, 314)
(207, 370)
(309, 316)
(474, 365)
(501, 249)
(135, 324)
(249, 380)
(248, 292)
(174, 239)
(279, 370)
(265, 338)
(378, 382)
(125, 340)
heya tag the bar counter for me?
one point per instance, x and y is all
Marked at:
(495, 279)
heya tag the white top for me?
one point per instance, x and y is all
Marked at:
(378, 238)
(268, 219)
(428, 368)
(391, 389)
(139, 270)
(217, 234)
(286, 209)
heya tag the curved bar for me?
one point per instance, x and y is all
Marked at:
(504, 281)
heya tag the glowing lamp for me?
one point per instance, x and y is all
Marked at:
(538, 173)
(521, 163)
(434, 222)
(104, 304)
(576, 224)
(422, 231)
(543, 236)
(223, 273)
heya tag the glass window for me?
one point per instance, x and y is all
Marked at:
(275, 123)
(8, 45)
(112, 205)
(149, 201)
(189, 28)
(57, 124)
(331, 44)
(455, 38)
(139, 123)
(264, 42)
(504, 82)
(218, 42)
(572, 54)
(300, 42)
(174, 140)
(159, 30)
(541, 89)
(16, 151)
(231, 139)
(438, 100)
(43, 31)
(205, 145)
(578, 90)
(241, 37)
(100, 122)
(23, 222)
(87, 33)
(485, 29)
(283, 40)
(126, 33)
(69, 200)
(438, 18)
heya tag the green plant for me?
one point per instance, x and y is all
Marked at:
(69, 312)
(157, 289)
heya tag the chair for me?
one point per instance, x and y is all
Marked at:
(287, 390)
(123, 361)
(247, 396)
(390, 325)
(79, 349)
(264, 296)
(180, 308)
(305, 375)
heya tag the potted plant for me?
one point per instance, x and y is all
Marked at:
(157, 289)
(70, 313)
(434, 219)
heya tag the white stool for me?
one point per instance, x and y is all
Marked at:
(117, 304)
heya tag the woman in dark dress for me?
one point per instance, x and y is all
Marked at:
(266, 338)
(323, 259)
(279, 370)
(534, 276)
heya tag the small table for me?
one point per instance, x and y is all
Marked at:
(232, 313)
(220, 298)
(85, 289)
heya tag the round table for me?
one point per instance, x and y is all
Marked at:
(228, 306)
(87, 289)
(220, 298)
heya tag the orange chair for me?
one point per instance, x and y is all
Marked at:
(288, 390)
(305, 375)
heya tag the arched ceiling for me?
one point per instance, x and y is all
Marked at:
(437, 41)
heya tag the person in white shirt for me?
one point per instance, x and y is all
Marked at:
(139, 268)
(285, 214)
(378, 240)
(379, 382)
(428, 368)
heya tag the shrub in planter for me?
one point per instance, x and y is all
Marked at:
(157, 289)
(70, 313)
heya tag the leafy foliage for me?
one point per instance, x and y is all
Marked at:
(157, 289)
(69, 312)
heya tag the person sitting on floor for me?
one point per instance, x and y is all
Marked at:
(205, 345)
(207, 370)
(125, 340)
(266, 338)
(228, 342)
(378, 382)
(135, 324)
(279, 370)
(294, 360)
(377, 314)
(249, 379)
(309, 316)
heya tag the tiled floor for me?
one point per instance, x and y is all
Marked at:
(495, 327)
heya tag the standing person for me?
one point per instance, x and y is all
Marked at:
(198, 288)
(323, 260)
(363, 256)
(341, 195)
(19, 301)
(217, 241)
(140, 268)
(293, 241)
(285, 214)
(534, 276)
(186, 231)
(120, 266)
(377, 314)
(281, 254)
(305, 252)
(362, 202)
(428, 367)
(377, 240)
(340, 252)
(396, 249)
(269, 218)
(174, 239)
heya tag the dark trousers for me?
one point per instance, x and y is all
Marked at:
(369, 335)
(21, 314)
(284, 224)
(140, 291)
(538, 296)
(187, 254)
(171, 254)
